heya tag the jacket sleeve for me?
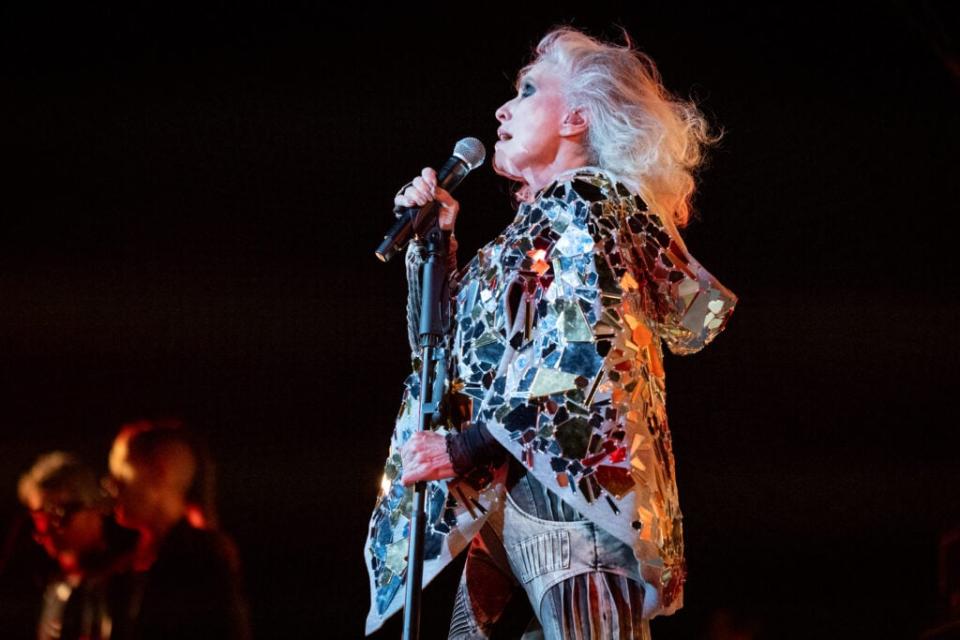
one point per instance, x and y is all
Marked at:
(414, 262)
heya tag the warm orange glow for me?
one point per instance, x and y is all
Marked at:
(628, 282)
(540, 266)
(656, 366)
(195, 517)
(641, 335)
(384, 485)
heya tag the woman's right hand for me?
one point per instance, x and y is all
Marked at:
(424, 189)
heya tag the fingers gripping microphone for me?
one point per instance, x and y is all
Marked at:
(468, 154)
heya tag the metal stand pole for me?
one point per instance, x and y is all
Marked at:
(431, 389)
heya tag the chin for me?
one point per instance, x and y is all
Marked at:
(499, 169)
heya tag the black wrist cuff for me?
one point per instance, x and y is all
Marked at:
(473, 447)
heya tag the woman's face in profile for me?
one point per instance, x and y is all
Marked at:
(529, 133)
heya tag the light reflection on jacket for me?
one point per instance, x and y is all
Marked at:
(557, 350)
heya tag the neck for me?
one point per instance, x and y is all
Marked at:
(568, 157)
(151, 538)
(164, 519)
(77, 563)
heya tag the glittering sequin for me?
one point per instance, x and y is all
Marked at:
(560, 322)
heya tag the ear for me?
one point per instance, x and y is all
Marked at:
(574, 123)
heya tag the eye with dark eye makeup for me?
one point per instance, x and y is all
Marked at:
(527, 89)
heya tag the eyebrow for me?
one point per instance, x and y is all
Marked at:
(527, 77)
(526, 73)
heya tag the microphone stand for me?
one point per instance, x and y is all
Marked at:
(432, 379)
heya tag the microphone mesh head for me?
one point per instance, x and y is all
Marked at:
(471, 151)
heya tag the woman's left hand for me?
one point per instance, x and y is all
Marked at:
(424, 189)
(425, 457)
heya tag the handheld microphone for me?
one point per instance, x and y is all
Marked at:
(468, 154)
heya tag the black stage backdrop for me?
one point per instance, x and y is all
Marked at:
(192, 195)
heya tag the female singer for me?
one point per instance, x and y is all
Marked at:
(553, 461)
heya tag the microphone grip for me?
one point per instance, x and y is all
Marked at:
(412, 220)
(398, 235)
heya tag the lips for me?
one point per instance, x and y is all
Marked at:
(502, 135)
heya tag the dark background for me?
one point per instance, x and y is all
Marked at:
(192, 195)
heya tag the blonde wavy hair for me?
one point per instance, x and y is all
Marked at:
(638, 131)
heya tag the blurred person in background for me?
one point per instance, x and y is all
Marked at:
(72, 522)
(185, 578)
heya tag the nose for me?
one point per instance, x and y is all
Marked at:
(503, 112)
